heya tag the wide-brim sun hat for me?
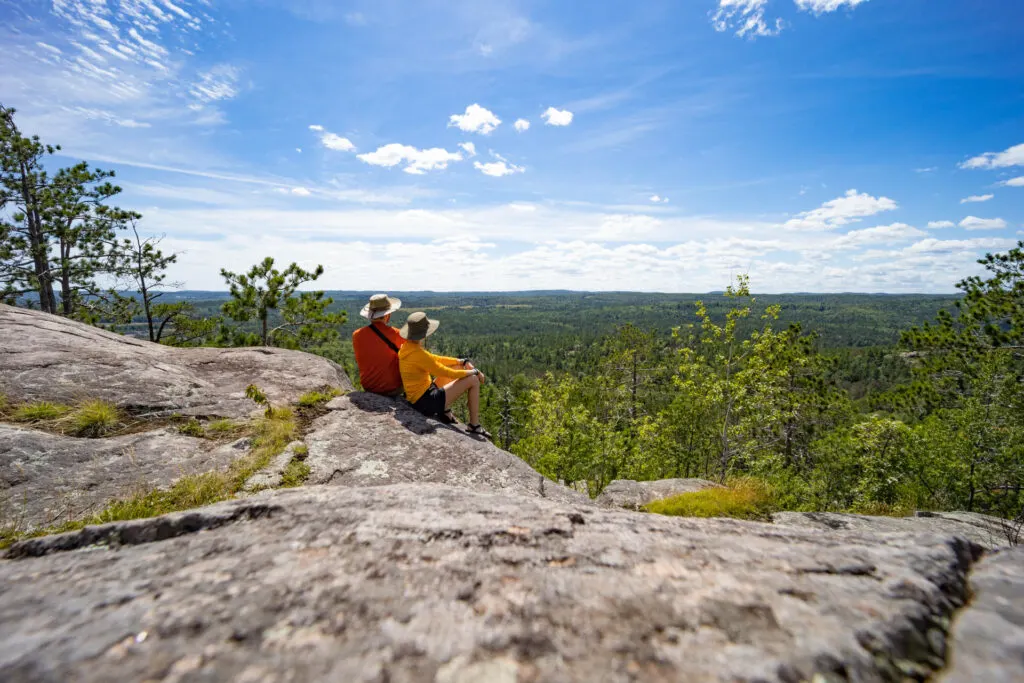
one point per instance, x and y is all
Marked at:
(418, 326)
(379, 306)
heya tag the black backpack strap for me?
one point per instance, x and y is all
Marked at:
(384, 339)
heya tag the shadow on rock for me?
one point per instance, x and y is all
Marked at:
(403, 412)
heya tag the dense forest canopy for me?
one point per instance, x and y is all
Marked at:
(870, 403)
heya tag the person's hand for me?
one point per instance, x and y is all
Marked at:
(482, 377)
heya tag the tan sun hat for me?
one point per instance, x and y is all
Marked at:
(380, 305)
(418, 326)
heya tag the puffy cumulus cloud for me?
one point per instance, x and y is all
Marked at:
(417, 161)
(1014, 156)
(497, 169)
(883, 234)
(469, 148)
(746, 17)
(521, 125)
(336, 142)
(316, 128)
(849, 208)
(824, 6)
(556, 117)
(1013, 182)
(217, 83)
(657, 199)
(975, 223)
(476, 119)
(976, 198)
(938, 225)
(301, 191)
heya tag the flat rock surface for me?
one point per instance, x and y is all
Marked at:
(626, 493)
(47, 479)
(435, 583)
(372, 440)
(987, 640)
(46, 357)
(984, 530)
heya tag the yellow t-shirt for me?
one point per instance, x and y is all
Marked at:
(418, 367)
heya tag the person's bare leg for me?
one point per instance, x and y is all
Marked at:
(470, 385)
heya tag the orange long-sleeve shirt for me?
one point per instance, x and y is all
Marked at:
(418, 367)
(378, 365)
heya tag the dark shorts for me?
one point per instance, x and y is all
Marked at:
(432, 402)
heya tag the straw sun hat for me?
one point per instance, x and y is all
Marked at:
(380, 305)
(418, 327)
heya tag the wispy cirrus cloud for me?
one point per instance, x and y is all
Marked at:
(1013, 156)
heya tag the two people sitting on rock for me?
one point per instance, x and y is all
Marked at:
(432, 383)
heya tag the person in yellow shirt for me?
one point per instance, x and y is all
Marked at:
(433, 383)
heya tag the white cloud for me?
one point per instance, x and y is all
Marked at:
(316, 127)
(418, 161)
(883, 234)
(301, 191)
(497, 168)
(976, 198)
(217, 83)
(299, 150)
(522, 125)
(975, 223)
(109, 117)
(937, 225)
(557, 117)
(822, 6)
(476, 120)
(469, 148)
(926, 170)
(49, 48)
(1013, 182)
(658, 199)
(746, 16)
(336, 142)
(850, 208)
(934, 246)
(1014, 156)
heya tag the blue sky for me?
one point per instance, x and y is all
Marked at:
(818, 145)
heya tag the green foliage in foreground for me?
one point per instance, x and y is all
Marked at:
(742, 499)
(271, 436)
(297, 471)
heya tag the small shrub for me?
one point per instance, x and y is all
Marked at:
(301, 451)
(741, 499)
(312, 399)
(94, 418)
(39, 412)
(192, 428)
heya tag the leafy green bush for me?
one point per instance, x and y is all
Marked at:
(39, 412)
(311, 399)
(94, 418)
(741, 499)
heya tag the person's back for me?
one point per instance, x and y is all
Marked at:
(376, 347)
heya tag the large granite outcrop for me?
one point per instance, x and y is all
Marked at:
(371, 440)
(987, 640)
(633, 495)
(986, 531)
(46, 479)
(424, 582)
(49, 358)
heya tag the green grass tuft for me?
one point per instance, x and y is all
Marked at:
(224, 427)
(741, 499)
(191, 428)
(311, 399)
(39, 412)
(94, 418)
(4, 404)
(295, 474)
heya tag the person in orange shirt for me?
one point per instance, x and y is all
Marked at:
(376, 347)
(433, 383)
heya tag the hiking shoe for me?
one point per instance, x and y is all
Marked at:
(478, 430)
